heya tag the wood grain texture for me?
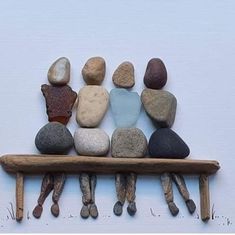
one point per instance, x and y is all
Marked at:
(37, 164)
(204, 197)
(19, 196)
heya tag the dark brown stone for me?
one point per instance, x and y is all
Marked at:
(59, 102)
(155, 75)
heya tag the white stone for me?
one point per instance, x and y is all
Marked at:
(91, 142)
(59, 72)
(93, 103)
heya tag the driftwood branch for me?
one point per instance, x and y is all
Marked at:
(19, 196)
(37, 164)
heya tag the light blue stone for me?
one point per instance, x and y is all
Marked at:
(125, 106)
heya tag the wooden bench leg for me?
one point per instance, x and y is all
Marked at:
(19, 196)
(204, 197)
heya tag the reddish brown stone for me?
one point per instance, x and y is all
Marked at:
(156, 75)
(59, 102)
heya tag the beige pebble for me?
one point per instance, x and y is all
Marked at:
(92, 106)
(59, 72)
(93, 71)
(124, 75)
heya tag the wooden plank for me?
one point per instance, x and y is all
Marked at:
(204, 197)
(19, 196)
(37, 164)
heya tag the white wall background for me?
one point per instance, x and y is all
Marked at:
(195, 39)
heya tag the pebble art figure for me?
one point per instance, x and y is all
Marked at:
(160, 106)
(89, 140)
(127, 141)
(55, 138)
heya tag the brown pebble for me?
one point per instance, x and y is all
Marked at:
(59, 102)
(155, 75)
(93, 211)
(55, 210)
(84, 212)
(124, 75)
(93, 71)
(173, 208)
(37, 212)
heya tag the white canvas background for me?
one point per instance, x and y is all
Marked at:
(195, 39)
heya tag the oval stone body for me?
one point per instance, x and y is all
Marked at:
(54, 138)
(91, 142)
(165, 143)
(92, 105)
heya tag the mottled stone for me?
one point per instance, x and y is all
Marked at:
(131, 209)
(173, 208)
(117, 209)
(155, 75)
(129, 143)
(91, 142)
(124, 75)
(93, 71)
(92, 105)
(59, 72)
(59, 102)
(165, 143)
(54, 138)
(84, 212)
(160, 106)
(125, 107)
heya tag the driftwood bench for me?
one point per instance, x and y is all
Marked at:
(38, 164)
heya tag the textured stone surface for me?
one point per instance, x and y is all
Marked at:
(59, 102)
(128, 142)
(124, 75)
(155, 75)
(160, 106)
(91, 142)
(93, 71)
(165, 143)
(59, 72)
(125, 107)
(92, 106)
(54, 138)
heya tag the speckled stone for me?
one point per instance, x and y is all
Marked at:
(125, 106)
(54, 138)
(155, 75)
(124, 75)
(129, 143)
(91, 142)
(92, 106)
(165, 143)
(160, 106)
(59, 72)
(93, 71)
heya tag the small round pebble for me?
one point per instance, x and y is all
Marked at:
(93, 211)
(131, 209)
(117, 209)
(165, 143)
(124, 75)
(84, 212)
(55, 210)
(155, 75)
(93, 71)
(59, 72)
(128, 142)
(91, 142)
(173, 208)
(191, 206)
(54, 138)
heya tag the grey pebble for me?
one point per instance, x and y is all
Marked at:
(54, 138)
(173, 208)
(128, 142)
(131, 209)
(191, 206)
(93, 211)
(117, 209)
(84, 212)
